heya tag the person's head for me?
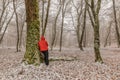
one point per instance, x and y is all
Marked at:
(42, 38)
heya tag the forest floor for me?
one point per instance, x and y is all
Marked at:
(66, 65)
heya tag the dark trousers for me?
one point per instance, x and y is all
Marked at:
(46, 57)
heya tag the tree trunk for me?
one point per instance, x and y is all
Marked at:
(96, 34)
(83, 30)
(62, 25)
(116, 24)
(21, 34)
(61, 32)
(54, 28)
(108, 35)
(94, 17)
(97, 43)
(1, 38)
(3, 8)
(16, 15)
(42, 19)
(46, 19)
(33, 32)
(84, 40)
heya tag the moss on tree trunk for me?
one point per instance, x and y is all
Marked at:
(33, 32)
(98, 57)
(95, 23)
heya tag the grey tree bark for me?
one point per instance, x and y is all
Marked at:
(94, 17)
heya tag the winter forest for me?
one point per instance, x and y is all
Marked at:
(83, 39)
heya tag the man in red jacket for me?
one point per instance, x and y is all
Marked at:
(43, 47)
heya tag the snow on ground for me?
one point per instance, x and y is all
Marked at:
(77, 65)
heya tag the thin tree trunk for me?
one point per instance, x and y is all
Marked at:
(3, 22)
(85, 41)
(54, 28)
(116, 24)
(61, 30)
(4, 7)
(64, 7)
(21, 33)
(17, 25)
(47, 16)
(79, 13)
(83, 30)
(106, 40)
(42, 20)
(6, 28)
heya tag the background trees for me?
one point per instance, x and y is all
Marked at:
(68, 25)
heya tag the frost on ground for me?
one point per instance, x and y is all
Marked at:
(67, 65)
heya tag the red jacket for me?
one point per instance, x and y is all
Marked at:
(43, 45)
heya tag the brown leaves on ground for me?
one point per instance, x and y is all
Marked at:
(65, 65)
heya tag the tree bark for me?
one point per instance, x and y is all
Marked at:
(32, 55)
(94, 17)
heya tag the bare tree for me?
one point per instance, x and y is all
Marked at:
(54, 27)
(17, 25)
(83, 30)
(94, 17)
(7, 24)
(46, 19)
(42, 18)
(116, 24)
(4, 7)
(64, 7)
(21, 30)
(81, 24)
(108, 35)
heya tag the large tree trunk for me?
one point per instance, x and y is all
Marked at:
(33, 32)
